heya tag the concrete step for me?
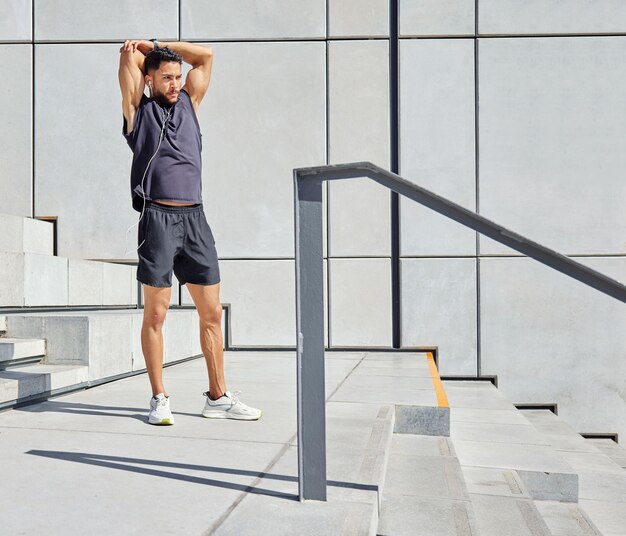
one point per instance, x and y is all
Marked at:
(488, 432)
(25, 235)
(358, 438)
(602, 482)
(14, 351)
(425, 492)
(31, 279)
(610, 449)
(108, 342)
(35, 381)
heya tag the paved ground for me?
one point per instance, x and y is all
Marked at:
(88, 462)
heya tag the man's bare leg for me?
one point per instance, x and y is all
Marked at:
(156, 304)
(207, 301)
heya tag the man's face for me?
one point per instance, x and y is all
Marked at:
(166, 82)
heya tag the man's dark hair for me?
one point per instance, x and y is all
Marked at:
(155, 57)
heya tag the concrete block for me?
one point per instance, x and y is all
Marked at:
(522, 300)
(110, 345)
(16, 20)
(38, 236)
(119, 285)
(263, 19)
(551, 17)
(430, 421)
(45, 280)
(439, 308)
(437, 142)
(436, 17)
(9, 389)
(96, 230)
(548, 129)
(12, 280)
(16, 144)
(24, 382)
(358, 18)
(3, 324)
(73, 20)
(29, 279)
(360, 302)
(359, 216)
(279, 121)
(67, 338)
(20, 235)
(550, 486)
(85, 279)
(18, 348)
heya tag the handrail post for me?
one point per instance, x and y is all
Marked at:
(310, 339)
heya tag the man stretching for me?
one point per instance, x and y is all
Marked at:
(166, 179)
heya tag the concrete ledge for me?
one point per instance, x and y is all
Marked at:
(22, 383)
(25, 235)
(421, 420)
(108, 341)
(543, 486)
(20, 348)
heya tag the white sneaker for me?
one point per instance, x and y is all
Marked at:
(160, 410)
(229, 407)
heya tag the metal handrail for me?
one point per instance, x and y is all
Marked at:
(310, 296)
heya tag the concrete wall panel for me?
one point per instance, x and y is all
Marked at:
(437, 141)
(16, 133)
(552, 339)
(439, 309)
(551, 16)
(552, 137)
(359, 131)
(261, 19)
(262, 299)
(436, 17)
(82, 160)
(360, 302)
(85, 280)
(76, 20)
(264, 114)
(358, 18)
(15, 20)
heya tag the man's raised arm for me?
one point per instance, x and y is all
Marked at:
(131, 77)
(200, 57)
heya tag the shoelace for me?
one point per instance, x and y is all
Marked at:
(234, 399)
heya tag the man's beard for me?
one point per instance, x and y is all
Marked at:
(161, 98)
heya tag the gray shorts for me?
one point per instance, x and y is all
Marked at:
(178, 238)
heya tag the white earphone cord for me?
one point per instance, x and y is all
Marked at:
(161, 136)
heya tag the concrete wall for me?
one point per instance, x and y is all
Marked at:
(514, 109)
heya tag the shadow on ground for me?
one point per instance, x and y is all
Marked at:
(150, 468)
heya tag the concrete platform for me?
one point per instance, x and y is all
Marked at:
(93, 452)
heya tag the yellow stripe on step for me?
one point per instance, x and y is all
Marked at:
(442, 399)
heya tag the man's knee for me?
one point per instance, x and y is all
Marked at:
(212, 316)
(155, 317)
